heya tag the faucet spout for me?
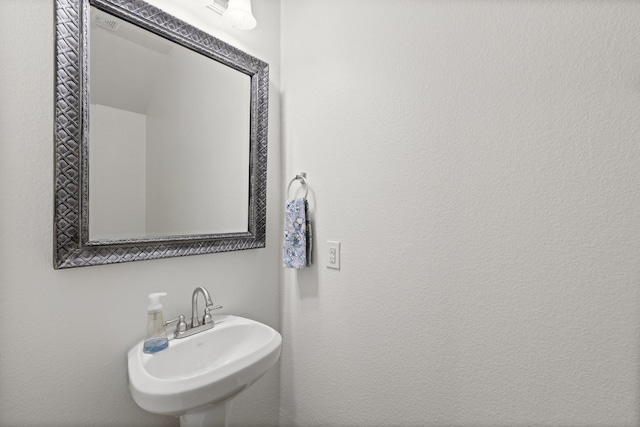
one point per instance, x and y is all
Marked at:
(194, 304)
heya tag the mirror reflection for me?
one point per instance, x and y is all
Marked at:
(169, 137)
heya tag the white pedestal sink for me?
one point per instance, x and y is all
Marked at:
(196, 377)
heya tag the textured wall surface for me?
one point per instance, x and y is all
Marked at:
(480, 163)
(65, 333)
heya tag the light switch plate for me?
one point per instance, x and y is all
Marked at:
(333, 254)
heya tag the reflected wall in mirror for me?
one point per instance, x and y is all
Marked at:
(161, 137)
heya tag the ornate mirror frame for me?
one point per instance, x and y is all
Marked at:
(72, 247)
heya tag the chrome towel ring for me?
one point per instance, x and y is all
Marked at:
(302, 177)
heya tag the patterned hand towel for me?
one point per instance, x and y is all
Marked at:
(308, 236)
(296, 252)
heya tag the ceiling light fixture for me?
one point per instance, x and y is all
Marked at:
(237, 12)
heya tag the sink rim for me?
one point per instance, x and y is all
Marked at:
(174, 396)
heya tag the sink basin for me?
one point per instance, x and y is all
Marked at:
(200, 371)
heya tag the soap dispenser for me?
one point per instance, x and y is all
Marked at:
(156, 339)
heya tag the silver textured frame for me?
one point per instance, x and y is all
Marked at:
(72, 247)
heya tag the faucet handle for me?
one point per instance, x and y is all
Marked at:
(206, 319)
(181, 326)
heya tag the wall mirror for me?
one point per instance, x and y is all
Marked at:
(160, 137)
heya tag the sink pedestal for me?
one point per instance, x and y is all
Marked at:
(209, 416)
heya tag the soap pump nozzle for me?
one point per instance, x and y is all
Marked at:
(154, 301)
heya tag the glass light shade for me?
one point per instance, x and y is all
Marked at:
(239, 14)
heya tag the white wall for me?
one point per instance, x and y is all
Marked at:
(117, 173)
(480, 163)
(65, 333)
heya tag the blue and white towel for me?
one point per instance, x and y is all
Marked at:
(296, 251)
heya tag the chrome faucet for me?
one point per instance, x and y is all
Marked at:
(194, 306)
(182, 329)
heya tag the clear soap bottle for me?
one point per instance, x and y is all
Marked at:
(156, 339)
